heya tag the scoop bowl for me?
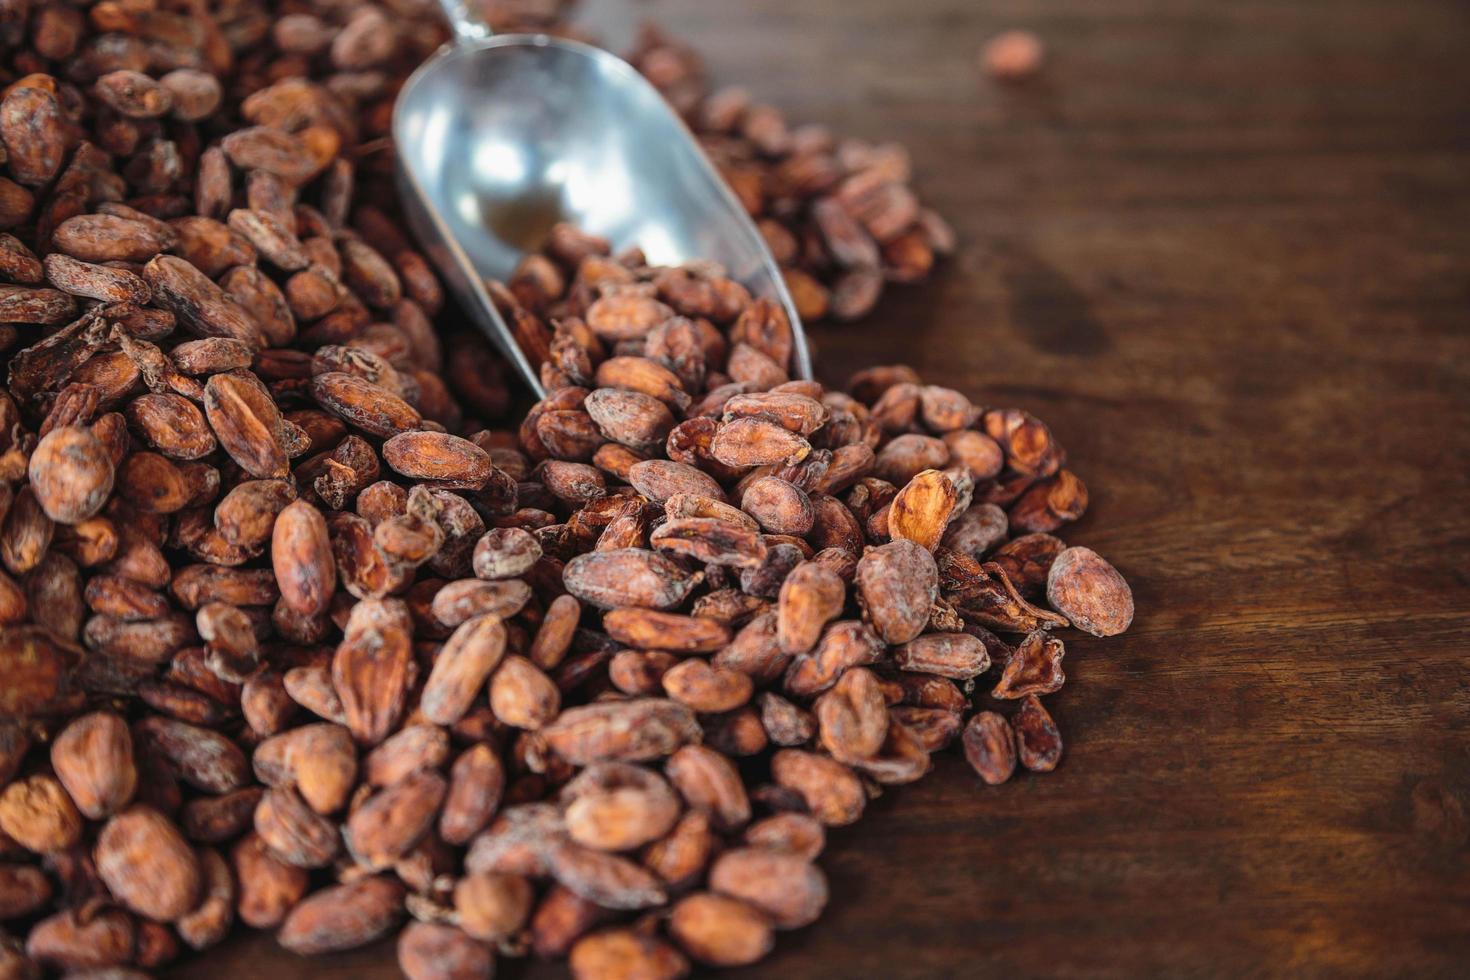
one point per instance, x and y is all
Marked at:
(499, 138)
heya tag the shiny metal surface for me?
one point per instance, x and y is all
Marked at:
(499, 138)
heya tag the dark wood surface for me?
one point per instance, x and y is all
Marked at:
(1224, 250)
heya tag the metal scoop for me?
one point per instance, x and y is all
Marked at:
(499, 138)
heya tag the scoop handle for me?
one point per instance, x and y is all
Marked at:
(467, 24)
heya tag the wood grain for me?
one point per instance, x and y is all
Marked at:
(1224, 250)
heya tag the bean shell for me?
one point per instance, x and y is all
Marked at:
(721, 931)
(71, 474)
(147, 864)
(343, 917)
(1082, 586)
(990, 747)
(786, 887)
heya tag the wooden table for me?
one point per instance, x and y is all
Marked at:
(1224, 250)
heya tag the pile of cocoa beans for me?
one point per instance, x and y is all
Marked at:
(300, 631)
